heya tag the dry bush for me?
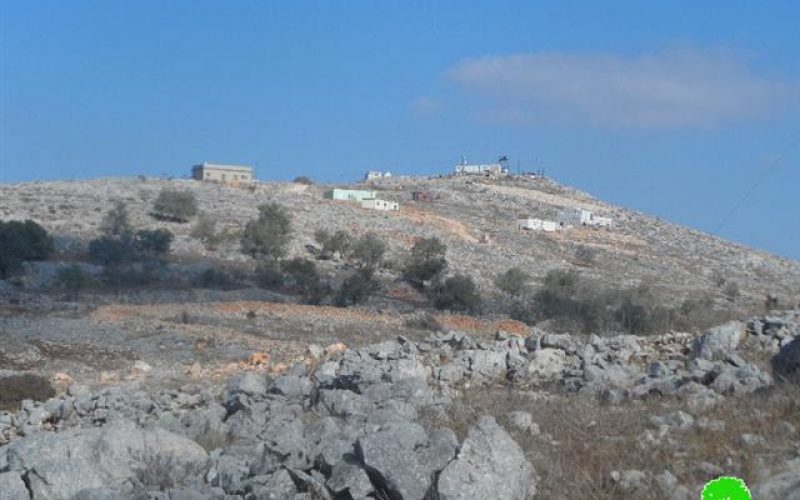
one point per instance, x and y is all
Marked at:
(227, 278)
(515, 282)
(582, 440)
(423, 321)
(758, 414)
(176, 206)
(16, 388)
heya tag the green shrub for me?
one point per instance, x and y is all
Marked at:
(110, 251)
(331, 244)
(135, 274)
(302, 179)
(20, 242)
(269, 235)
(306, 279)
(426, 262)
(269, 276)
(219, 279)
(633, 317)
(73, 279)
(174, 205)
(357, 288)
(457, 293)
(514, 282)
(524, 311)
(368, 251)
(562, 281)
(572, 303)
(155, 242)
(16, 388)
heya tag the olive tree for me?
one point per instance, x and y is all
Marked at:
(426, 262)
(174, 205)
(20, 242)
(514, 282)
(268, 236)
(368, 251)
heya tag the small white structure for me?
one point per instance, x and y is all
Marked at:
(222, 173)
(380, 205)
(375, 175)
(488, 169)
(532, 224)
(581, 217)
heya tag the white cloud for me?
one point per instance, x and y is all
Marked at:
(680, 88)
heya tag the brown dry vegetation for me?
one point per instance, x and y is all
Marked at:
(582, 440)
(16, 388)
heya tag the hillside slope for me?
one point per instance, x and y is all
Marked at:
(640, 250)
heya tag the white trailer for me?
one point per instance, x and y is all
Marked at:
(375, 204)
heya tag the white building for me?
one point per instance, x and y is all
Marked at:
(532, 224)
(375, 175)
(489, 169)
(579, 217)
(222, 173)
(380, 205)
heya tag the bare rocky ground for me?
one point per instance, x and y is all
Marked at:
(448, 416)
(188, 393)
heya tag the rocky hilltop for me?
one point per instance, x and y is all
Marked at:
(185, 376)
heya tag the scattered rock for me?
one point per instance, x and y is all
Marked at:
(782, 486)
(719, 342)
(62, 465)
(547, 363)
(786, 363)
(489, 464)
(347, 477)
(12, 487)
(522, 421)
(249, 383)
(630, 481)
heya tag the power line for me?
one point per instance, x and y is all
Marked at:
(772, 166)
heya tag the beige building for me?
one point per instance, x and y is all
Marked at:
(222, 173)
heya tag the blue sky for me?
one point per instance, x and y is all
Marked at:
(674, 108)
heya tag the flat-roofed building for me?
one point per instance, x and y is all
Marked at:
(574, 216)
(213, 172)
(349, 194)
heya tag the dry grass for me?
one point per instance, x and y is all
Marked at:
(582, 441)
(16, 388)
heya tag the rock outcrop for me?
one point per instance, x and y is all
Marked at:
(351, 427)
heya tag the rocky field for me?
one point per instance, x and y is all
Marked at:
(448, 416)
(179, 388)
